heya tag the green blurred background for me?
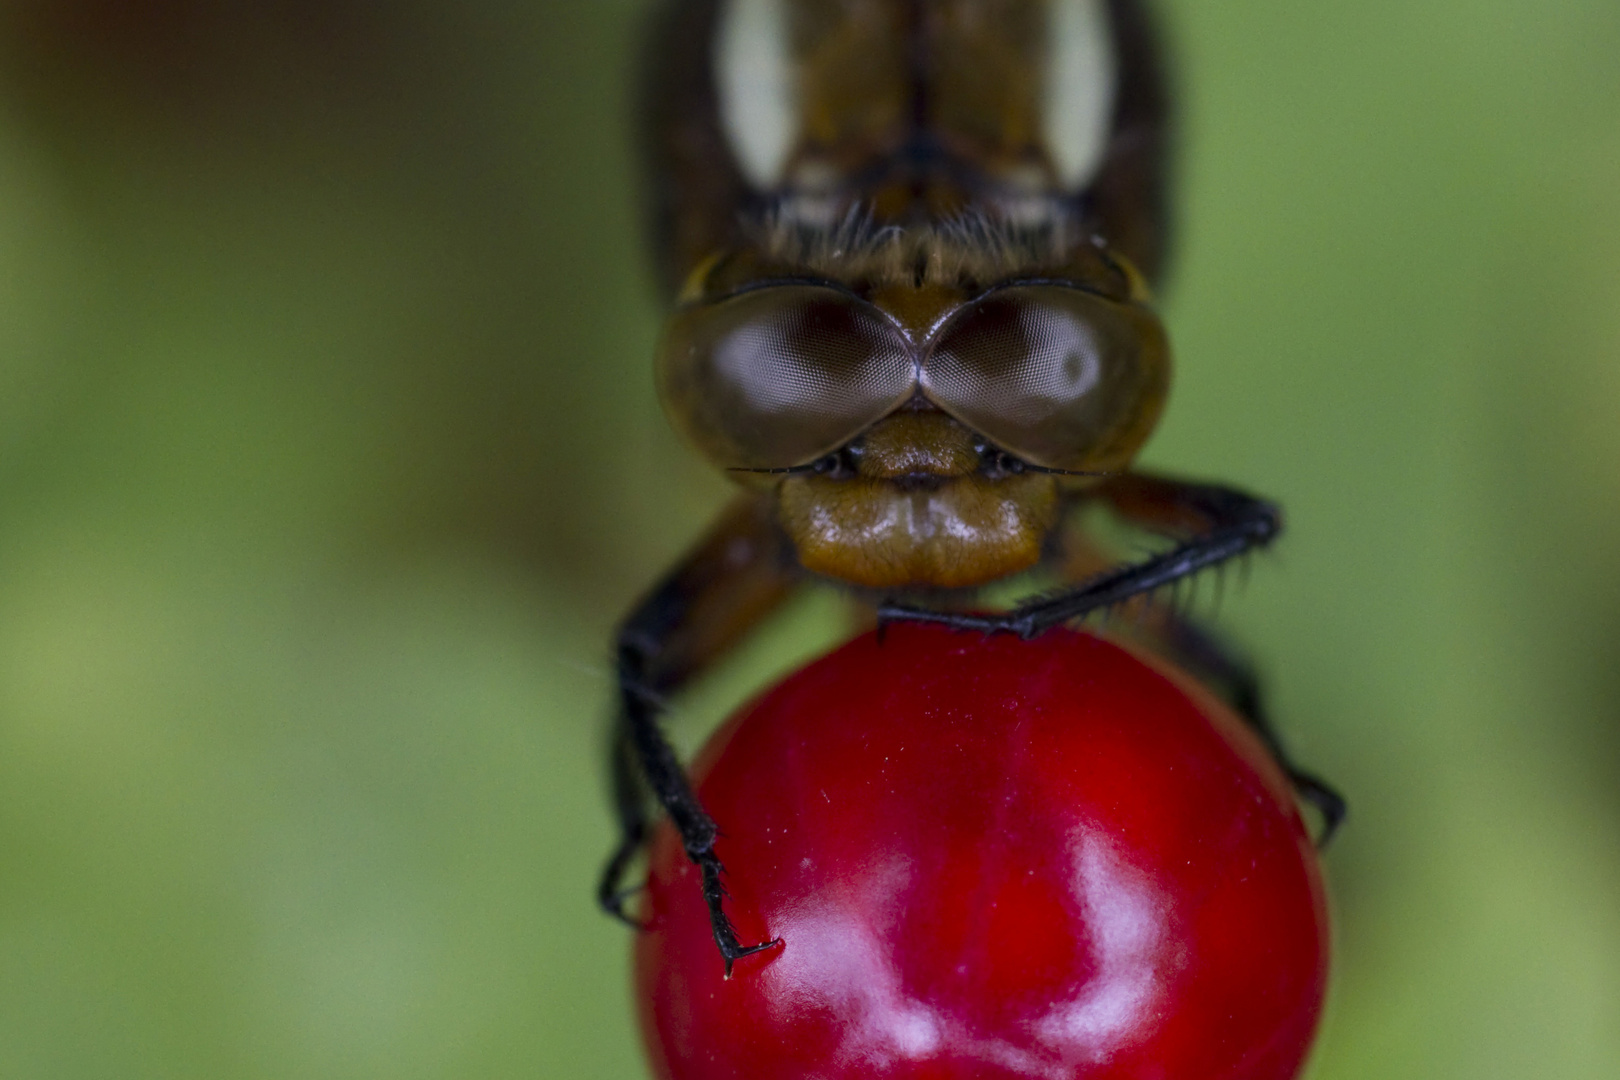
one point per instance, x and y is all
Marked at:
(328, 457)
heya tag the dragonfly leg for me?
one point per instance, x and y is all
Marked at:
(1211, 524)
(1231, 676)
(631, 812)
(735, 576)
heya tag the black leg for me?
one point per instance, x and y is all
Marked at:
(666, 778)
(733, 578)
(1235, 680)
(1212, 525)
(1224, 523)
(631, 812)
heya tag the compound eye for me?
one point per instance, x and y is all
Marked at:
(1061, 377)
(782, 375)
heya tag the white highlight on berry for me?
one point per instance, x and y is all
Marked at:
(1126, 916)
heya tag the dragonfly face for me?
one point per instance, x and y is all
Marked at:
(906, 318)
(909, 246)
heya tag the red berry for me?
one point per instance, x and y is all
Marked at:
(988, 859)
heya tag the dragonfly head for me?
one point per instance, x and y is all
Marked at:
(917, 399)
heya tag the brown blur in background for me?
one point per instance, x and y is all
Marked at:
(329, 456)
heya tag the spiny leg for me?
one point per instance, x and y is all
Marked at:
(736, 575)
(664, 775)
(631, 812)
(1213, 524)
(1180, 509)
(1235, 679)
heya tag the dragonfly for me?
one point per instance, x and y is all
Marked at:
(910, 249)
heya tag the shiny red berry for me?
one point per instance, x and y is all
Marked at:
(989, 859)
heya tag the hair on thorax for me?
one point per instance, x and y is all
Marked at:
(966, 249)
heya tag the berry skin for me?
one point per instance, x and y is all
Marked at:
(989, 859)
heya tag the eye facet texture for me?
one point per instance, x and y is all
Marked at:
(780, 376)
(1061, 377)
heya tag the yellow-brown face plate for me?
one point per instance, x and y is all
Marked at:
(920, 511)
